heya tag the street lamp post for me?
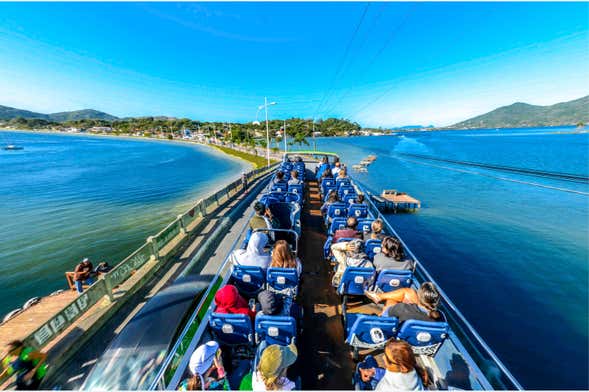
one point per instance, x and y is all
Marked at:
(265, 107)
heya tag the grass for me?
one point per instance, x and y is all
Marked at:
(258, 161)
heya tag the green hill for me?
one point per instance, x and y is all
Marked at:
(8, 113)
(525, 115)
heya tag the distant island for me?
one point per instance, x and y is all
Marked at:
(521, 115)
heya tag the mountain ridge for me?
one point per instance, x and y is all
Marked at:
(9, 113)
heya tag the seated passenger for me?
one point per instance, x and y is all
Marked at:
(367, 374)
(343, 173)
(375, 232)
(271, 372)
(283, 257)
(391, 256)
(348, 254)
(228, 301)
(273, 304)
(254, 254)
(279, 179)
(294, 178)
(332, 198)
(336, 169)
(262, 218)
(207, 370)
(83, 274)
(323, 168)
(359, 199)
(407, 304)
(401, 370)
(350, 230)
(326, 174)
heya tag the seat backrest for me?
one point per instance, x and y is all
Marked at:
(232, 329)
(292, 197)
(282, 280)
(425, 337)
(354, 280)
(358, 210)
(349, 198)
(365, 225)
(389, 280)
(327, 182)
(337, 224)
(271, 198)
(372, 247)
(344, 191)
(249, 280)
(296, 188)
(280, 187)
(337, 210)
(275, 329)
(370, 331)
(341, 182)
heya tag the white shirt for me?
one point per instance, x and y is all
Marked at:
(258, 384)
(396, 381)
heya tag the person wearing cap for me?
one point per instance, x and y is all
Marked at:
(83, 274)
(263, 218)
(207, 369)
(349, 254)
(270, 374)
(368, 374)
(336, 168)
(228, 300)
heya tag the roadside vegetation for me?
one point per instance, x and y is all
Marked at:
(257, 160)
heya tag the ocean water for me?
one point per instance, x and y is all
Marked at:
(66, 197)
(513, 256)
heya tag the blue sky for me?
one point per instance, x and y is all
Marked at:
(381, 64)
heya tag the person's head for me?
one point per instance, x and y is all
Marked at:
(257, 243)
(259, 208)
(367, 368)
(282, 256)
(332, 197)
(352, 223)
(392, 247)
(326, 174)
(274, 362)
(399, 357)
(14, 347)
(376, 226)
(325, 159)
(202, 362)
(354, 248)
(360, 198)
(270, 303)
(429, 298)
(294, 174)
(337, 164)
(85, 261)
(343, 172)
(227, 297)
(280, 176)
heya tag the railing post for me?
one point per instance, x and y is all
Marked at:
(182, 228)
(109, 287)
(154, 248)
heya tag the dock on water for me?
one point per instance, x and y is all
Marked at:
(394, 201)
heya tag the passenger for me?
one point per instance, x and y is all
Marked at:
(407, 304)
(26, 363)
(263, 218)
(391, 256)
(273, 304)
(348, 254)
(375, 232)
(283, 257)
(254, 254)
(228, 301)
(343, 173)
(102, 268)
(271, 372)
(336, 169)
(279, 179)
(294, 178)
(367, 374)
(323, 167)
(83, 274)
(402, 372)
(326, 174)
(358, 200)
(349, 232)
(207, 370)
(332, 198)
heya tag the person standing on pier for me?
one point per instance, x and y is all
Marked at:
(83, 274)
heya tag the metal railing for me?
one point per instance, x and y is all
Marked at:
(457, 320)
(176, 232)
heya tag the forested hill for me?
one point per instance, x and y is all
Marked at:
(8, 113)
(525, 115)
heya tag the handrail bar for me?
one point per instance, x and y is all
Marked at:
(442, 293)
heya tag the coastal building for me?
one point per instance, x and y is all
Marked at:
(100, 129)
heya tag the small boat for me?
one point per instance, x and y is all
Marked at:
(11, 147)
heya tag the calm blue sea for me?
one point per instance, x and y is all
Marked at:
(512, 255)
(65, 197)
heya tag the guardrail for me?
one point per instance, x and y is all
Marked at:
(493, 370)
(158, 248)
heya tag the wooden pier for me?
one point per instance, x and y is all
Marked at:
(392, 200)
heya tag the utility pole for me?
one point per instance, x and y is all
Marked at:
(314, 142)
(267, 132)
(284, 136)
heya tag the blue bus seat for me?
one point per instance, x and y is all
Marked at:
(358, 210)
(389, 280)
(425, 337)
(365, 225)
(283, 280)
(325, 183)
(372, 247)
(291, 197)
(354, 280)
(342, 182)
(369, 331)
(232, 329)
(248, 279)
(336, 224)
(280, 187)
(346, 190)
(294, 188)
(275, 329)
(336, 210)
